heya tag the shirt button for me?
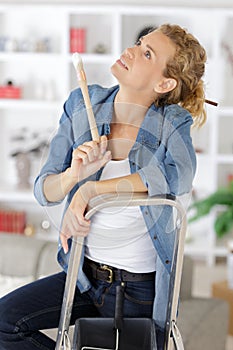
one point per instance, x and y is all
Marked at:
(167, 261)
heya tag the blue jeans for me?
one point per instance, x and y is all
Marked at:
(37, 306)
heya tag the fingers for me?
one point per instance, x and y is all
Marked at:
(88, 152)
(103, 144)
(73, 226)
(64, 242)
(91, 151)
(107, 156)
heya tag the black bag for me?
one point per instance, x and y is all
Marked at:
(115, 333)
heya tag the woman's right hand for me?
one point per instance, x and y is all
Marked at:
(88, 158)
(74, 223)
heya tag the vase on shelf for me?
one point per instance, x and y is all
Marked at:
(23, 168)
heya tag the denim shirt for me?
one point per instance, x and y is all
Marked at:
(162, 155)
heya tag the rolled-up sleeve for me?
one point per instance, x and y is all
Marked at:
(59, 156)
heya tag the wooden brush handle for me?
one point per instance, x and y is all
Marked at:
(90, 114)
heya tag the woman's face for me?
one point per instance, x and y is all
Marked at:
(141, 67)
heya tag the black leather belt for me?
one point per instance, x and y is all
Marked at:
(110, 274)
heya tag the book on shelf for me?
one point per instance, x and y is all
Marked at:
(12, 221)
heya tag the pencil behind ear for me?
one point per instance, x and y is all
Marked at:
(166, 85)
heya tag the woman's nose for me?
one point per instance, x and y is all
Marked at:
(129, 52)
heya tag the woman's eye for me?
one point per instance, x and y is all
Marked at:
(138, 42)
(147, 54)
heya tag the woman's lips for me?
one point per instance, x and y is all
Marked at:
(122, 63)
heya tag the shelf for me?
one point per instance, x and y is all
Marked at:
(197, 246)
(220, 252)
(29, 56)
(226, 111)
(23, 104)
(11, 194)
(196, 251)
(49, 236)
(225, 159)
(95, 58)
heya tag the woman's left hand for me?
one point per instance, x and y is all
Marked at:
(74, 222)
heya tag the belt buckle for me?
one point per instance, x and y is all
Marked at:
(107, 268)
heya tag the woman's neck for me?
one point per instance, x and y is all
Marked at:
(127, 119)
(129, 110)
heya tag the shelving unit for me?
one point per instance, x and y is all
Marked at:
(48, 77)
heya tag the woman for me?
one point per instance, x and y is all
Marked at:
(145, 146)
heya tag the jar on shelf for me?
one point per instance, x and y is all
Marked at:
(77, 40)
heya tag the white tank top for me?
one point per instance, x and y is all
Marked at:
(119, 236)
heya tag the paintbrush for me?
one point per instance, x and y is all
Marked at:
(81, 76)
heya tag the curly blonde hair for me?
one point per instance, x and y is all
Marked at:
(187, 67)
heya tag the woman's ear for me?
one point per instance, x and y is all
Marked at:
(165, 85)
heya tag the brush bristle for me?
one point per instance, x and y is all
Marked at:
(77, 61)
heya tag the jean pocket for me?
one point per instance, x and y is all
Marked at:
(141, 293)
